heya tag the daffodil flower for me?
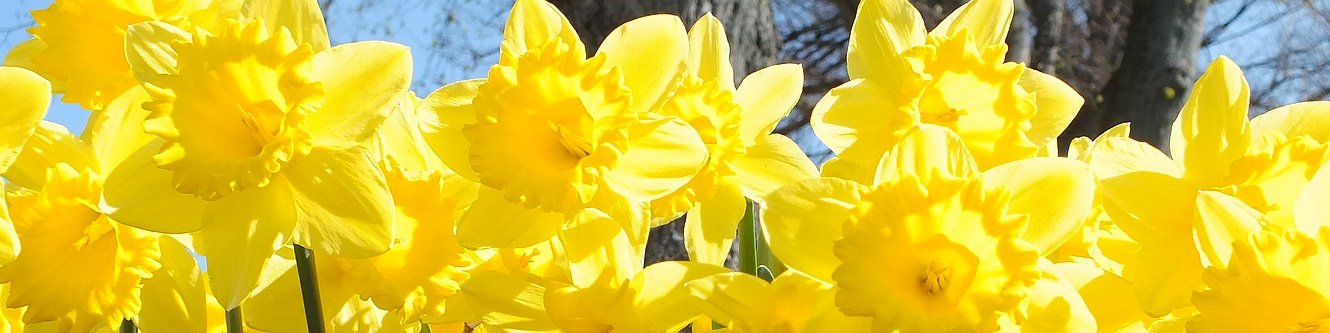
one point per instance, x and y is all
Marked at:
(78, 269)
(953, 76)
(262, 132)
(744, 158)
(1225, 179)
(1276, 280)
(793, 302)
(551, 133)
(935, 245)
(80, 44)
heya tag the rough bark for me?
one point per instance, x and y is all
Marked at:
(1158, 66)
(754, 43)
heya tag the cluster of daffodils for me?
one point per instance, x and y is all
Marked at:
(233, 133)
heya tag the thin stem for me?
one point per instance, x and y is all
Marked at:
(748, 242)
(309, 289)
(234, 322)
(127, 326)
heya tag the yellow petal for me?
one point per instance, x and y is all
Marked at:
(987, 20)
(861, 110)
(709, 52)
(363, 82)
(883, 29)
(303, 18)
(662, 299)
(803, 221)
(1221, 220)
(773, 161)
(650, 52)
(1310, 213)
(1056, 104)
(140, 194)
(1055, 306)
(49, 145)
(1104, 295)
(149, 50)
(21, 55)
(1164, 275)
(1118, 155)
(858, 163)
(1306, 118)
(400, 140)
(26, 97)
(1142, 189)
(926, 152)
(731, 297)
(442, 115)
(493, 221)
(174, 298)
(598, 250)
(1211, 131)
(533, 23)
(663, 154)
(1056, 194)
(766, 96)
(507, 302)
(9, 243)
(343, 205)
(240, 232)
(711, 225)
(116, 132)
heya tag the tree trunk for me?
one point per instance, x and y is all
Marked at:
(1048, 19)
(1020, 41)
(754, 43)
(1156, 72)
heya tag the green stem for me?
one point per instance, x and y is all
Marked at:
(748, 241)
(309, 289)
(127, 326)
(234, 322)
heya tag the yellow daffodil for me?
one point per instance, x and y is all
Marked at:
(80, 44)
(793, 302)
(744, 158)
(935, 245)
(426, 264)
(1277, 281)
(1224, 181)
(27, 96)
(953, 76)
(285, 160)
(551, 133)
(78, 268)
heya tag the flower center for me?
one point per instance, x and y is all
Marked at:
(973, 92)
(542, 123)
(234, 114)
(575, 143)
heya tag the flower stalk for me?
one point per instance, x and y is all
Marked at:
(309, 289)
